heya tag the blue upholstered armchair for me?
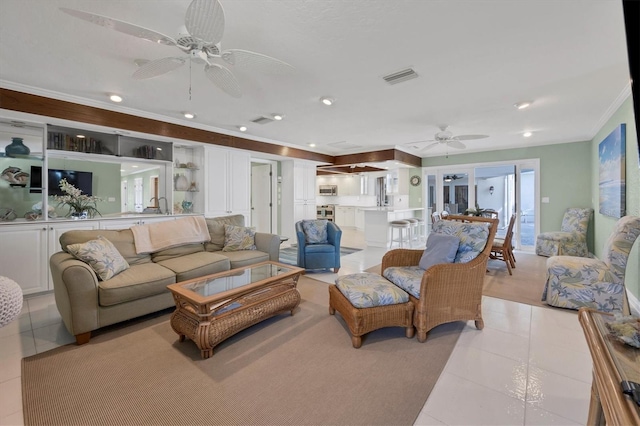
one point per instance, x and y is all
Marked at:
(318, 244)
(571, 240)
(576, 282)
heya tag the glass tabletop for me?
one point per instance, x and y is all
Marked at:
(235, 279)
(625, 357)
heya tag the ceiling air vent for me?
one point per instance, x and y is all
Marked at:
(262, 120)
(400, 76)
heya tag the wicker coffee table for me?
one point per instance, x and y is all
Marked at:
(212, 308)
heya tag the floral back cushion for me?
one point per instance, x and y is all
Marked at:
(576, 220)
(101, 255)
(238, 238)
(473, 237)
(315, 231)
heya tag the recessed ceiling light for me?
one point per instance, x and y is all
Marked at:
(242, 128)
(159, 149)
(189, 115)
(527, 134)
(80, 136)
(312, 145)
(278, 116)
(134, 166)
(327, 100)
(523, 105)
(115, 98)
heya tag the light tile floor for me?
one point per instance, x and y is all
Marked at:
(529, 366)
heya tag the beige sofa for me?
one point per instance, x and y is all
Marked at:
(87, 303)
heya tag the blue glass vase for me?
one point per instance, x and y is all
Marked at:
(16, 147)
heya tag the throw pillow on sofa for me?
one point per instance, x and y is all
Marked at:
(238, 238)
(103, 257)
(441, 248)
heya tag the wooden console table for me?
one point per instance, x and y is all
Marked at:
(613, 362)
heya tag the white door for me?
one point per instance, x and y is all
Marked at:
(124, 197)
(261, 194)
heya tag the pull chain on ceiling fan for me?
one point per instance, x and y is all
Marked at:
(201, 41)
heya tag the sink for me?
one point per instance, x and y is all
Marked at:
(151, 210)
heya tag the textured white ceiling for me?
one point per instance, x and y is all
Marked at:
(475, 59)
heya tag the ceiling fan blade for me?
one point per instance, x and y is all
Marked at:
(469, 137)
(429, 146)
(224, 79)
(157, 67)
(456, 144)
(121, 26)
(256, 61)
(205, 20)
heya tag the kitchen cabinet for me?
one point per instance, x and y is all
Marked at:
(228, 178)
(345, 216)
(298, 195)
(359, 219)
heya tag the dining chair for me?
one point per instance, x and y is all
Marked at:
(502, 247)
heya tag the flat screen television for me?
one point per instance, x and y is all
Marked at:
(81, 180)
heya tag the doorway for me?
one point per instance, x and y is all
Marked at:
(263, 205)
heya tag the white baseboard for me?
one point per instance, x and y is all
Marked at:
(634, 304)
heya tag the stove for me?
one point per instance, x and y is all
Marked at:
(325, 212)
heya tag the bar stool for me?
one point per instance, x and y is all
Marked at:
(422, 230)
(401, 226)
(413, 230)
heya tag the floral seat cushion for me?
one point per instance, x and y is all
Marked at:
(367, 290)
(407, 278)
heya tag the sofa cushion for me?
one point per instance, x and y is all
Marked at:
(473, 237)
(137, 282)
(196, 265)
(239, 238)
(122, 239)
(101, 255)
(242, 258)
(408, 278)
(440, 249)
(170, 253)
(216, 230)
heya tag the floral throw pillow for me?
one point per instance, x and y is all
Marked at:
(103, 257)
(315, 231)
(238, 238)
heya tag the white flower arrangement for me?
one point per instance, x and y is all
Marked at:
(76, 200)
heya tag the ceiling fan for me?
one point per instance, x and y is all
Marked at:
(445, 137)
(200, 40)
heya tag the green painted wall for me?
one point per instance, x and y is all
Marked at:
(416, 197)
(565, 176)
(604, 224)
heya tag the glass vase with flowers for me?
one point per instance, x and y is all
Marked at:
(81, 206)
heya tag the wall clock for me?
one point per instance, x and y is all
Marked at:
(415, 180)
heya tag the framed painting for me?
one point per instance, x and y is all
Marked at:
(612, 165)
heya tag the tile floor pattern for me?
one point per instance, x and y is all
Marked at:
(529, 366)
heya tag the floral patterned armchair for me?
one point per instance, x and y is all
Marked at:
(572, 238)
(576, 282)
(446, 292)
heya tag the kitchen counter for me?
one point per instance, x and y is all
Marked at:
(376, 228)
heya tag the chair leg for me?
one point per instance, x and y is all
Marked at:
(335, 270)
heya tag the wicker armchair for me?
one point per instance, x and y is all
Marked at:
(449, 291)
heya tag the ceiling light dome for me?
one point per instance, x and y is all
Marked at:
(527, 134)
(523, 104)
(242, 128)
(189, 115)
(115, 98)
(327, 100)
(277, 116)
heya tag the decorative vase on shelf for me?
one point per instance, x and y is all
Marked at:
(16, 147)
(182, 183)
(187, 206)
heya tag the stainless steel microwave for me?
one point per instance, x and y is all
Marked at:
(328, 190)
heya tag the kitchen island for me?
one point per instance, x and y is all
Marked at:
(376, 222)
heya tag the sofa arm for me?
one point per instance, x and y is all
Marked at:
(75, 287)
(268, 243)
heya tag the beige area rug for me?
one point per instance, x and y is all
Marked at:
(524, 286)
(288, 370)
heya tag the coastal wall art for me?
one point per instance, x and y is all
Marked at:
(612, 166)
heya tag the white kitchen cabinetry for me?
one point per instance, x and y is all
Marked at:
(298, 195)
(359, 219)
(345, 216)
(228, 183)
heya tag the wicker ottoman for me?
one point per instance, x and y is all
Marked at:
(368, 302)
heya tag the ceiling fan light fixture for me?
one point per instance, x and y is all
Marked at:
(523, 104)
(527, 134)
(326, 100)
(115, 98)
(277, 117)
(189, 115)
